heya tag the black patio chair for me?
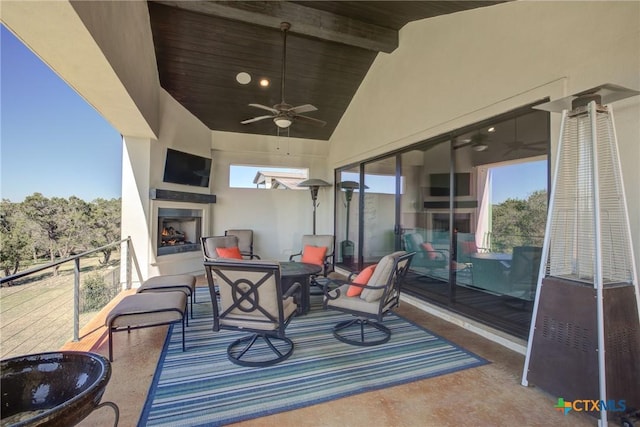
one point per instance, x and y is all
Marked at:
(245, 242)
(247, 296)
(378, 298)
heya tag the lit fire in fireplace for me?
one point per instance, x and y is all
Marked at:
(171, 237)
(179, 230)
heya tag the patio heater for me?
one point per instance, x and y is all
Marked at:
(584, 341)
(314, 185)
(347, 246)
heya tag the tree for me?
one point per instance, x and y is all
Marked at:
(517, 222)
(72, 221)
(14, 244)
(104, 223)
(55, 227)
(62, 221)
(43, 213)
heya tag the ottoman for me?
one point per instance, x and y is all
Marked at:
(145, 310)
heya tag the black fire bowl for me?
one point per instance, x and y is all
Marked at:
(52, 389)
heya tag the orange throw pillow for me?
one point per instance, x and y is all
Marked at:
(314, 254)
(361, 279)
(232, 252)
(431, 253)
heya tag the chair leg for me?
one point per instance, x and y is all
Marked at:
(110, 344)
(343, 331)
(244, 357)
(184, 324)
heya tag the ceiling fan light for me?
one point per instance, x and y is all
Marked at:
(282, 122)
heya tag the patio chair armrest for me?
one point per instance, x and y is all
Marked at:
(435, 255)
(296, 287)
(442, 253)
(332, 282)
(251, 256)
(294, 255)
(369, 286)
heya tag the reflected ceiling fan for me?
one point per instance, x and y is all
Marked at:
(477, 142)
(518, 144)
(283, 114)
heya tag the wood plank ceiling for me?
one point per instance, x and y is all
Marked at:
(201, 46)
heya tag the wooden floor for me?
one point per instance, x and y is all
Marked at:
(490, 395)
(507, 313)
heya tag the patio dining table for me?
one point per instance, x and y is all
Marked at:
(292, 272)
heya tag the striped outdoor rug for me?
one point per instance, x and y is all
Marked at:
(202, 387)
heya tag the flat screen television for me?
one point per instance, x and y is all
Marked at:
(187, 169)
(439, 185)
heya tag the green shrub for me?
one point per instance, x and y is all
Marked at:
(95, 293)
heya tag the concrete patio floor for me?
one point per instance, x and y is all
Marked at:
(490, 395)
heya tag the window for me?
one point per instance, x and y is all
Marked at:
(376, 183)
(266, 177)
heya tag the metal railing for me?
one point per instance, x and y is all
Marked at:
(31, 308)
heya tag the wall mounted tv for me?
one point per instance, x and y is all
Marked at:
(439, 184)
(186, 169)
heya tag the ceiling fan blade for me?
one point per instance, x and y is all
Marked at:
(309, 120)
(464, 144)
(264, 107)
(255, 119)
(306, 108)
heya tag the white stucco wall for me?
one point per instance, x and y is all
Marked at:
(121, 29)
(457, 69)
(279, 218)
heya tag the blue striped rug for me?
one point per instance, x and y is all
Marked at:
(201, 387)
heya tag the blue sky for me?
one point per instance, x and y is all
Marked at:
(52, 141)
(518, 181)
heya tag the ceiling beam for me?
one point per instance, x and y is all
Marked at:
(304, 21)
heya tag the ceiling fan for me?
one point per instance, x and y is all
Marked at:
(283, 114)
(518, 144)
(477, 142)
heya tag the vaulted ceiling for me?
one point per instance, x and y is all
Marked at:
(201, 46)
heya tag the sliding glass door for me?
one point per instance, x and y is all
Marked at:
(379, 209)
(424, 217)
(470, 204)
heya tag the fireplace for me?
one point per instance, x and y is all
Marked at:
(179, 230)
(461, 222)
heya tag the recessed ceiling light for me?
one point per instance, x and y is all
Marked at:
(243, 78)
(491, 129)
(264, 82)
